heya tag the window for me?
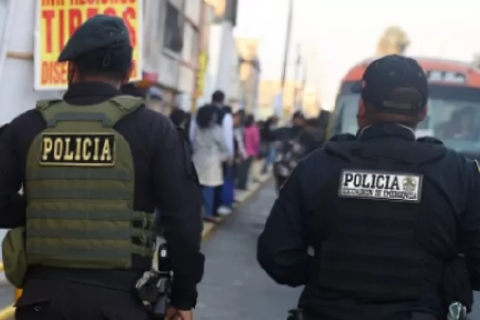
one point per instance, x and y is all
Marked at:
(174, 21)
(190, 43)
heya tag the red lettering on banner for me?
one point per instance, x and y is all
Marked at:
(98, 2)
(75, 19)
(110, 12)
(65, 21)
(61, 30)
(91, 12)
(128, 15)
(54, 72)
(48, 15)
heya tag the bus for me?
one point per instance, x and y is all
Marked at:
(453, 107)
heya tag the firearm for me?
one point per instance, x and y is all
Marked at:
(154, 286)
(457, 311)
(456, 291)
(163, 284)
(296, 314)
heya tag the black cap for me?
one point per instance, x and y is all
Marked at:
(298, 115)
(100, 31)
(394, 84)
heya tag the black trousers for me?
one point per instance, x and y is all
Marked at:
(59, 300)
(243, 173)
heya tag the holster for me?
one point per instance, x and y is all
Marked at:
(296, 314)
(456, 284)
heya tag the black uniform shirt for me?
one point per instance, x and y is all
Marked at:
(164, 178)
(282, 249)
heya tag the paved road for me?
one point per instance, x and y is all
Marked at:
(234, 287)
(6, 295)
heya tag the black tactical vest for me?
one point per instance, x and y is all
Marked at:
(377, 250)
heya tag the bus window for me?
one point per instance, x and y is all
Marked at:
(345, 117)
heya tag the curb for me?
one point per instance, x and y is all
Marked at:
(240, 198)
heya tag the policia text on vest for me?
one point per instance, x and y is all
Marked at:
(379, 185)
(72, 222)
(71, 149)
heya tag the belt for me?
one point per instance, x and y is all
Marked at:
(121, 280)
(423, 316)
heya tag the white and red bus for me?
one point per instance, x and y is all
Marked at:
(453, 106)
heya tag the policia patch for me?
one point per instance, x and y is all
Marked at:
(78, 150)
(377, 185)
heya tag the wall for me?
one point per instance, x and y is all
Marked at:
(236, 91)
(190, 53)
(17, 75)
(167, 63)
(249, 72)
(17, 23)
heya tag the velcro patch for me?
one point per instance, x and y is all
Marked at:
(78, 150)
(377, 185)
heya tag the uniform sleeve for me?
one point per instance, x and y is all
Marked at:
(282, 248)
(469, 231)
(178, 197)
(12, 204)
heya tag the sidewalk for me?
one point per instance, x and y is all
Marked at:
(241, 195)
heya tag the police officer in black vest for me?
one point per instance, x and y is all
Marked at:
(94, 167)
(385, 214)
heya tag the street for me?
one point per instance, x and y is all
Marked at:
(234, 286)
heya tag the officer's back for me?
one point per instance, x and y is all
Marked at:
(95, 165)
(384, 213)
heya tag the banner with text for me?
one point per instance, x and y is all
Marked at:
(58, 19)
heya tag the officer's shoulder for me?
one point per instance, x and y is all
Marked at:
(430, 140)
(26, 118)
(149, 118)
(313, 159)
(343, 137)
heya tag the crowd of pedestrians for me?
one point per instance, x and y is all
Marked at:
(225, 144)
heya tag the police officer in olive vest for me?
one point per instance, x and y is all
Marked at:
(94, 166)
(384, 213)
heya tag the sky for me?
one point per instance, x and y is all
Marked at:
(344, 32)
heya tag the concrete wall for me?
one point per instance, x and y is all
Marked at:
(167, 64)
(220, 61)
(17, 23)
(235, 87)
(17, 75)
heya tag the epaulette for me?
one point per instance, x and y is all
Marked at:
(429, 140)
(343, 137)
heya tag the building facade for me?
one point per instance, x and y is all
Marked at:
(172, 30)
(249, 72)
(221, 51)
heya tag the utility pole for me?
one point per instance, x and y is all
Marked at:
(303, 85)
(287, 49)
(298, 63)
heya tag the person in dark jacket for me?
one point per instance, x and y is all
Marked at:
(179, 118)
(73, 193)
(292, 144)
(385, 214)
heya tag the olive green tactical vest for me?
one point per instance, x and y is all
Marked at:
(80, 189)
